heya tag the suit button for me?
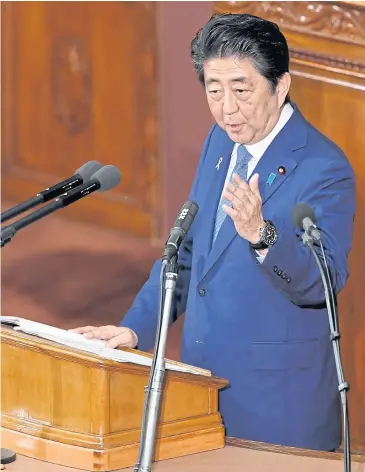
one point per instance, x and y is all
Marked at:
(288, 279)
(283, 276)
(279, 272)
(202, 292)
(275, 269)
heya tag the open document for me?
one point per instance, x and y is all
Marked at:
(93, 346)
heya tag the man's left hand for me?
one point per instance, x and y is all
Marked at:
(246, 211)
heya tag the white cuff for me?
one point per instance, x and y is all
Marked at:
(260, 257)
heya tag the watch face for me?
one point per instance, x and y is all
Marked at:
(270, 235)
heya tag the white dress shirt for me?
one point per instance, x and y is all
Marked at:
(257, 151)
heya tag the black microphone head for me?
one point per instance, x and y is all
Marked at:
(88, 169)
(180, 229)
(189, 206)
(194, 207)
(186, 216)
(108, 177)
(301, 211)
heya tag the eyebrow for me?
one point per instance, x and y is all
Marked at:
(239, 80)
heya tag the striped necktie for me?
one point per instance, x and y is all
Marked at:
(241, 167)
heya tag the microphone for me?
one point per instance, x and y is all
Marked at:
(82, 175)
(304, 218)
(104, 179)
(154, 389)
(180, 229)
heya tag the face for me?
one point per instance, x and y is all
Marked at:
(240, 99)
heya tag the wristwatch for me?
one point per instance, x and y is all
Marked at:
(268, 236)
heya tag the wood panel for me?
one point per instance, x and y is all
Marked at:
(91, 409)
(327, 44)
(79, 83)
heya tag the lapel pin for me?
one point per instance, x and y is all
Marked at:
(271, 178)
(282, 170)
(220, 160)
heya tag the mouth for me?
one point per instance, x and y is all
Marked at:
(234, 127)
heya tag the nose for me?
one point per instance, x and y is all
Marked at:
(229, 104)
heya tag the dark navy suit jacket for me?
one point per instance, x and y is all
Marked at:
(264, 327)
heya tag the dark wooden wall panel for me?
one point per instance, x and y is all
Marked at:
(327, 43)
(79, 83)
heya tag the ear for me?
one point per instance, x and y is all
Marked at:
(283, 87)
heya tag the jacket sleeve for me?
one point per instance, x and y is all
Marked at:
(142, 316)
(290, 264)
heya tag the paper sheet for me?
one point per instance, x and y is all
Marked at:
(93, 346)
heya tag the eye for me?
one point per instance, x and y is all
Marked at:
(240, 90)
(215, 94)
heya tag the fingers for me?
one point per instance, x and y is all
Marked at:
(93, 332)
(240, 199)
(234, 196)
(242, 191)
(83, 329)
(234, 214)
(254, 185)
(103, 333)
(247, 195)
(250, 189)
(242, 207)
(115, 336)
(124, 339)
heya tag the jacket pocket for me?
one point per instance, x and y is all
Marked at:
(285, 355)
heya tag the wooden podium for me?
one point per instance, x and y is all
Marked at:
(79, 410)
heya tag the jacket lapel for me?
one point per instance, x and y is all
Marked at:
(270, 177)
(278, 155)
(217, 177)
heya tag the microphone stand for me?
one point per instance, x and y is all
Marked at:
(308, 238)
(8, 232)
(155, 386)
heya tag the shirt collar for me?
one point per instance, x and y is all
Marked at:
(257, 150)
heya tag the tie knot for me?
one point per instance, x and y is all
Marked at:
(243, 156)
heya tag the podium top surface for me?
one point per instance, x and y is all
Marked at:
(54, 349)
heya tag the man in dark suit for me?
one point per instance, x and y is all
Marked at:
(251, 290)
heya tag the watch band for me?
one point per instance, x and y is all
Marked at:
(259, 245)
